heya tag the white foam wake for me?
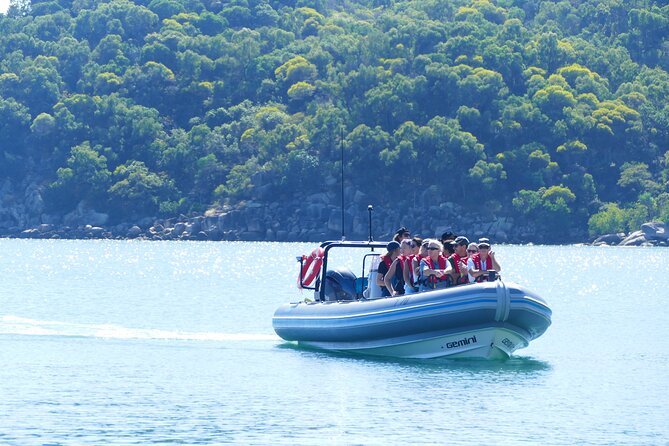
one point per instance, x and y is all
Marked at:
(23, 326)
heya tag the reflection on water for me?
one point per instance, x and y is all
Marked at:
(515, 364)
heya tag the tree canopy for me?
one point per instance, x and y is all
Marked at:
(551, 112)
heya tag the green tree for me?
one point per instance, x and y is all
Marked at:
(85, 177)
(611, 219)
(137, 192)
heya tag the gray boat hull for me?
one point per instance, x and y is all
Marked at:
(485, 320)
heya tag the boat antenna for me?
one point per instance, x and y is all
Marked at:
(341, 146)
(370, 208)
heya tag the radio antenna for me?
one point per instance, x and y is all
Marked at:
(370, 208)
(341, 146)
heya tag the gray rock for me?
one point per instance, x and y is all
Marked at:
(179, 229)
(83, 215)
(34, 203)
(134, 232)
(96, 231)
(655, 230)
(634, 239)
(255, 225)
(45, 227)
(30, 233)
(210, 223)
(146, 222)
(609, 239)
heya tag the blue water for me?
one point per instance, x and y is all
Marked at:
(128, 342)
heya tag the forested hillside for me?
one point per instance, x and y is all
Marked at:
(553, 113)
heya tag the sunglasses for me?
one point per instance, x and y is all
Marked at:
(433, 248)
(472, 250)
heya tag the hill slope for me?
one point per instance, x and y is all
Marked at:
(551, 113)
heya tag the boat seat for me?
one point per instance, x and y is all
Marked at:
(373, 291)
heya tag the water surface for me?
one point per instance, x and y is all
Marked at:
(129, 342)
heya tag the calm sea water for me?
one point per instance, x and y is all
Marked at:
(127, 342)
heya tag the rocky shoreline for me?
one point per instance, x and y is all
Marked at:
(309, 222)
(252, 223)
(310, 218)
(653, 233)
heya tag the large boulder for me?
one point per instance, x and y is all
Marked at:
(134, 232)
(83, 215)
(179, 229)
(609, 239)
(655, 230)
(34, 203)
(634, 239)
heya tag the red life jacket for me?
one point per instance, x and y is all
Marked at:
(478, 263)
(456, 266)
(398, 278)
(457, 259)
(442, 265)
(401, 260)
(387, 261)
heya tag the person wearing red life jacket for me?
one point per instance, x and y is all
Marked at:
(422, 253)
(446, 239)
(398, 267)
(434, 269)
(411, 263)
(458, 261)
(391, 285)
(479, 264)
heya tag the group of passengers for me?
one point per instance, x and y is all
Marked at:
(413, 265)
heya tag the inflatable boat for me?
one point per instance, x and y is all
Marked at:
(482, 320)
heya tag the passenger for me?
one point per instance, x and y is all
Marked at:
(435, 268)
(411, 267)
(386, 281)
(446, 239)
(417, 243)
(404, 263)
(398, 267)
(422, 253)
(401, 234)
(472, 249)
(458, 261)
(479, 264)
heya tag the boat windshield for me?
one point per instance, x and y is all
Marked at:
(347, 266)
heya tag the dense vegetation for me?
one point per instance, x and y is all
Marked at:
(554, 112)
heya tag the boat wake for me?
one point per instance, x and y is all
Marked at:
(23, 326)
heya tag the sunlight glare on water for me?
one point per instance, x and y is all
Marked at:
(117, 342)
